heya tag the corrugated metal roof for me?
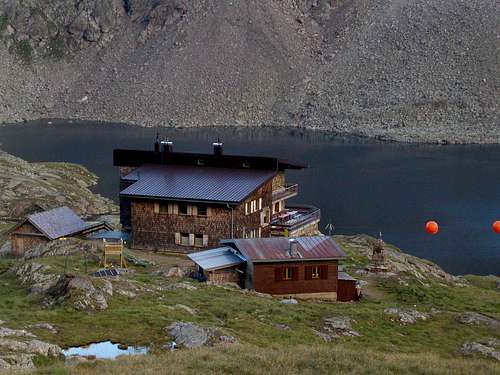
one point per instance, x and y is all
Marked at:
(277, 248)
(58, 222)
(214, 259)
(345, 276)
(195, 183)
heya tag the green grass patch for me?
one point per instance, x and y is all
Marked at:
(24, 51)
(3, 23)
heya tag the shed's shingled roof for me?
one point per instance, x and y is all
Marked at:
(215, 259)
(192, 183)
(58, 222)
(276, 248)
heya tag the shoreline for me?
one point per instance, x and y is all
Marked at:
(387, 137)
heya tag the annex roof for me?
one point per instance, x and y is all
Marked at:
(277, 248)
(218, 258)
(179, 182)
(58, 222)
(345, 276)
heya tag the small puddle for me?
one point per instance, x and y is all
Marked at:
(105, 350)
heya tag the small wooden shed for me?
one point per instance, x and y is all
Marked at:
(42, 227)
(219, 266)
(347, 289)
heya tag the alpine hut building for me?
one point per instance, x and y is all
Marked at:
(178, 201)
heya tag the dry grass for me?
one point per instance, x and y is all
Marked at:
(299, 360)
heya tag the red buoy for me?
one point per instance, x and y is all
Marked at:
(431, 227)
(496, 226)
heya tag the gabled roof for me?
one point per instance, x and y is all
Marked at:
(58, 222)
(215, 259)
(180, 182)
(277, 248)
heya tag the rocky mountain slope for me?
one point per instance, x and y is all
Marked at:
(25, 187)
(410, 70)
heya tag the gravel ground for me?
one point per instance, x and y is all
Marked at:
(405, 70)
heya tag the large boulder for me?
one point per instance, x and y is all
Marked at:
(36, 277)
(473, 318)
(189, 335)
(80, 292)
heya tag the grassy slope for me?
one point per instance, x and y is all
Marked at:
(384, 347)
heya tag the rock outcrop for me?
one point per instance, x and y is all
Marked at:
(18, 348)
(26, 187)
(406, 316)
(488, 348)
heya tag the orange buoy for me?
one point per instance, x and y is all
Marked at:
(496, 226)
(432, 227)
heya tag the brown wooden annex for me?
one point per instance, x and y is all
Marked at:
(302, 266)
(42, 227)
(174, 201)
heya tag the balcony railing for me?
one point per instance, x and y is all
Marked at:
(285, 192)
(293, 218)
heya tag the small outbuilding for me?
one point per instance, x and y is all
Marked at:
(301, 266)
(42, 227)
(219, 266)
(347, 289)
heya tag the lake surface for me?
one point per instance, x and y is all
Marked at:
(361, 186)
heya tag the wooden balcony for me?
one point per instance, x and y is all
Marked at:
(293, 219)
(285, 192)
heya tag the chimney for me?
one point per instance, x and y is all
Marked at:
(167, 146)
(218, 147)
(157, 143)
(292, 247)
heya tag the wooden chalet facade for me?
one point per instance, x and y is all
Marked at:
(181, 202)
(302, 266)
(42, 227)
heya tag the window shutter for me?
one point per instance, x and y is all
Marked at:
(170, 208)
(247, 208)
(157, 208)
(308, 273)
(177, 238)
(194, 210)
(324, 272)
(191, 239)
(209, 211)
(205, 240)
(260, 203)
(278, 273)
(176, 209)
(295, 273)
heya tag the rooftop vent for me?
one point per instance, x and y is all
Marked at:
(292, 247)
(218, 147)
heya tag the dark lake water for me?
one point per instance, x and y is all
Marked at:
(361, 186)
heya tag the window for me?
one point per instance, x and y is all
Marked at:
(198, 240)
(260, 204)
(286, 273)
(247, 208)
(277, 207)
(202, 210)
(185, 239)
(201, 162)
(315, 272)
(183, 209)
(163, 208)
(246, 164)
